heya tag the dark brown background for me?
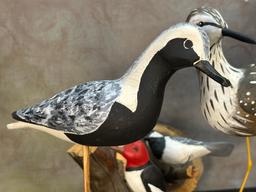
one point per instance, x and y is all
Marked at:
(50, 45)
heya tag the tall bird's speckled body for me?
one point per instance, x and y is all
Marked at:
(117, 112)
(229, 109)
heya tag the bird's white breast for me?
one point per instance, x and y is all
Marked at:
(179, 153)
(218, 104)
(134, 181)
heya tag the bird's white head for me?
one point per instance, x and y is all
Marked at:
(205, 16)
(211, 21)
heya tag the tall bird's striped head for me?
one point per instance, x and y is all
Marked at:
(211, 21)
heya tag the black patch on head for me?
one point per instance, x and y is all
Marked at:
(157, 145)
(175, 52)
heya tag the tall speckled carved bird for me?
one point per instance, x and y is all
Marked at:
(109, 112)
(231, 110)
(180, 150)
(140, 173)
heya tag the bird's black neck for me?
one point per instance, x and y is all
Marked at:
(155, 78)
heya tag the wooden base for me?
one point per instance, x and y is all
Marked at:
(107, 168)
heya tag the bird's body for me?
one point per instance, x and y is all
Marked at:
(109, 112)
(180, 150)
(229, 109)
(140, 173)
(68, 110)
(220, 105)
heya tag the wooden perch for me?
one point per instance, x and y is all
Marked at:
(106, 168)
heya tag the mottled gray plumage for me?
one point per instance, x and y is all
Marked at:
(79, 110)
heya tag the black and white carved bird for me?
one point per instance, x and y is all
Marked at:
(140, 173)
(180, 150)
(229, 109)
(109, 112)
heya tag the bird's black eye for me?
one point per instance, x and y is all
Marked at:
(188, 44)
(200, 24)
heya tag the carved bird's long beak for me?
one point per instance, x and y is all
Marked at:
(233, 34)
(205, 67)
(237, 36)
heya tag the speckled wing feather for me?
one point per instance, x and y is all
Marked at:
(79, 110)
(246, 103)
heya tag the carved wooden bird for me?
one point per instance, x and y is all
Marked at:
(140, 173)
(120, 111)
(180, 150)
(231, 110)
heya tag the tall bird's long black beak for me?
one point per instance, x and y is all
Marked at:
(238, 36)
(205, 67)
(230, 33)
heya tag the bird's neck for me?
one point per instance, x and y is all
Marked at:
(218, 102)
(148, 73)
(149, 58)
(220, 62)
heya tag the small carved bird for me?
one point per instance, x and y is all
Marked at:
(180, 150)
(140, 173)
